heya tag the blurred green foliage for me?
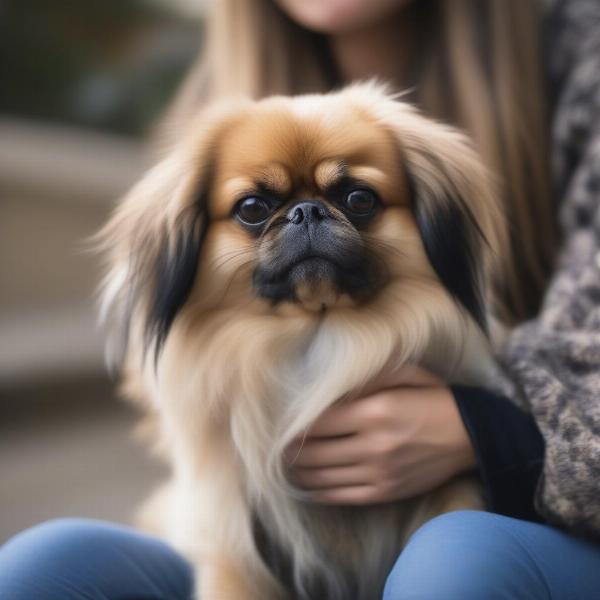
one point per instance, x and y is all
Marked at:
(106, 64)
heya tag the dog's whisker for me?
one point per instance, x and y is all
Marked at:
(383, 245)
(234, 276)
(217, 265)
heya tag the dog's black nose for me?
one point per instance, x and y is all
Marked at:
(308, 211)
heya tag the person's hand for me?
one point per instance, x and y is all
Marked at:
(400, 441)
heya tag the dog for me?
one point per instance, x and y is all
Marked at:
(282, 254)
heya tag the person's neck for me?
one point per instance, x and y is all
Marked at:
(379, 50)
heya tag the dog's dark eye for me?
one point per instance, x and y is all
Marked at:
(253, 210)
(361, 202)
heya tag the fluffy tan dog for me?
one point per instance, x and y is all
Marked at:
(282, 255)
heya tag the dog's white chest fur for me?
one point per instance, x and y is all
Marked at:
(229, 438)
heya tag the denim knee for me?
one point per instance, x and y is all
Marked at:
(464, 555)
(62, 529)
(73, 558)
(59, 537)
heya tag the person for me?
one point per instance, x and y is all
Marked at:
(523, 79)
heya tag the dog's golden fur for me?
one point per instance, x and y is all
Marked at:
(233, 378)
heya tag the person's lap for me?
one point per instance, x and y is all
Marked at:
(464, 555)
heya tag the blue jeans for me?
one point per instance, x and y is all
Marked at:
(459, 556)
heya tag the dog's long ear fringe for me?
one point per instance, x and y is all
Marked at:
(453, 199)
(452, 240)
(152, 259)
(153, 241)
(174, 275)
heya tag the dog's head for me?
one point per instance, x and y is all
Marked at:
(305, 205)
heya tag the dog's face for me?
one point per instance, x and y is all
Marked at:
(308, 204)
(307, 195)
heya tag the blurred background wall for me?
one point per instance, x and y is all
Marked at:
(81, 84)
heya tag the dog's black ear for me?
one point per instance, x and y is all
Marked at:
(154, 239)
(454, 201)
(175, 269)
(153, 243)
(453, 241)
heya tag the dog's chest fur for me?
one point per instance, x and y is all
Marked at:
(258, 382)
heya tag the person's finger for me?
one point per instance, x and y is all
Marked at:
(409, 375)
(343, 418)
(351, 495)
(326, 452)
(332, 477)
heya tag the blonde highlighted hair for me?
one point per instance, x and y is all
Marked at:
(478, 68)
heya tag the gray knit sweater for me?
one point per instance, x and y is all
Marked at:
(554, 360)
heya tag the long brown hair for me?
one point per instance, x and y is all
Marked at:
(478, 68)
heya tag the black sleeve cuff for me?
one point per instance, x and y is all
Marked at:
(509, 449)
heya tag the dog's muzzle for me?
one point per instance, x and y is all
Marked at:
(311, 256)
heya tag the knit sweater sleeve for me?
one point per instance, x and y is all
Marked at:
(554, 360)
